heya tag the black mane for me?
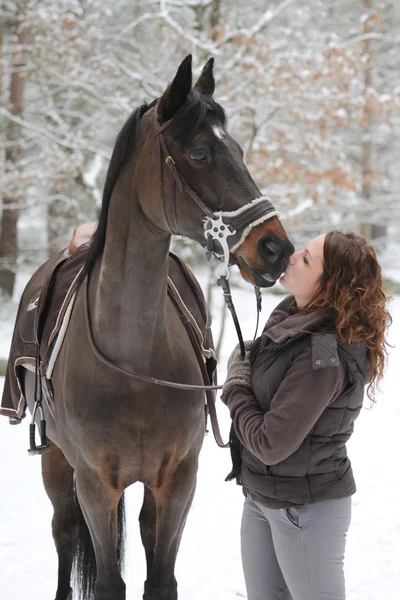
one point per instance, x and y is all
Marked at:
(186, 122)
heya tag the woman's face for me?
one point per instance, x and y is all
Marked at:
(304, 271)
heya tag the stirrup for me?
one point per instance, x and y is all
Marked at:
(44, 444)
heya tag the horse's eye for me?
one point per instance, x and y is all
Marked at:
(198, 155)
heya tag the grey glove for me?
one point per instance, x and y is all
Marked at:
(239, 370)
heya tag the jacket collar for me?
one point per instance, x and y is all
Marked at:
(287, 321)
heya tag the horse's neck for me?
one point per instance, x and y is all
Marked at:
(128, 291)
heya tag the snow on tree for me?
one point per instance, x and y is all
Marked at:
(311, 90)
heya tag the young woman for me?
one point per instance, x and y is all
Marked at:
(293, 401)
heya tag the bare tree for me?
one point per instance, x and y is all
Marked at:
(8, 228)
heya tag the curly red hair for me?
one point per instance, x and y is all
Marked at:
(352, 287)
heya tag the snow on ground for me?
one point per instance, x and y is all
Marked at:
(208, 565)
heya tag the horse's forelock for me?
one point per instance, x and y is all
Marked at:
(188, 119)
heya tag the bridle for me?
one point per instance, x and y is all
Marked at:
(224, 231)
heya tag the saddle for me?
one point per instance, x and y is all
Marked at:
(43, 315)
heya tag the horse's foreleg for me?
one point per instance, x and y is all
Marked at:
(174, 499)
(148, 526)
(99, 499)
(57, 476)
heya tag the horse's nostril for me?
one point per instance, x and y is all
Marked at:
(269, 249)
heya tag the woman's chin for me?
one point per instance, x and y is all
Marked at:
(285, 284)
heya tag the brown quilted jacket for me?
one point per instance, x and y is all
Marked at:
(289, 434)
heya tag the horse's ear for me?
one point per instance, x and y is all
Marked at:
(176, 93)
(206, 81)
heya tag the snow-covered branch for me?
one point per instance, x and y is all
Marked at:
(60, 141)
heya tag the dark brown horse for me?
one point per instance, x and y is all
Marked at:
(174, 167)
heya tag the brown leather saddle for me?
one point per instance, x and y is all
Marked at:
(44, 305)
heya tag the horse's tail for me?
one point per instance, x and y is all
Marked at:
(84, 567)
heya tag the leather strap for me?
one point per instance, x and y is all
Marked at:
(200, 358)
(180, 182)
(209, 389)
(162, 199)
(239, 220)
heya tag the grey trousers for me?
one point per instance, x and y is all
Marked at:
(295, 553)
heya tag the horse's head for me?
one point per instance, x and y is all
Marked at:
(206, 191)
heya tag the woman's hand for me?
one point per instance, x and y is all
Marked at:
(81, 235)
(239, 369)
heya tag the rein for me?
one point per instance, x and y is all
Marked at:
(209, 389)
(147, 379)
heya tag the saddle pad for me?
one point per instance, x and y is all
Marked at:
(40, 306)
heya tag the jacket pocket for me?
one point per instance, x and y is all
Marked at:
(253, 463)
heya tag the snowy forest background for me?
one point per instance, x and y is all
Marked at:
(311, 88)
(312, 93)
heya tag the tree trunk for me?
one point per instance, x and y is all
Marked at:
(8, 230)
(369, 230)
(366, 164)
(215, 19)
